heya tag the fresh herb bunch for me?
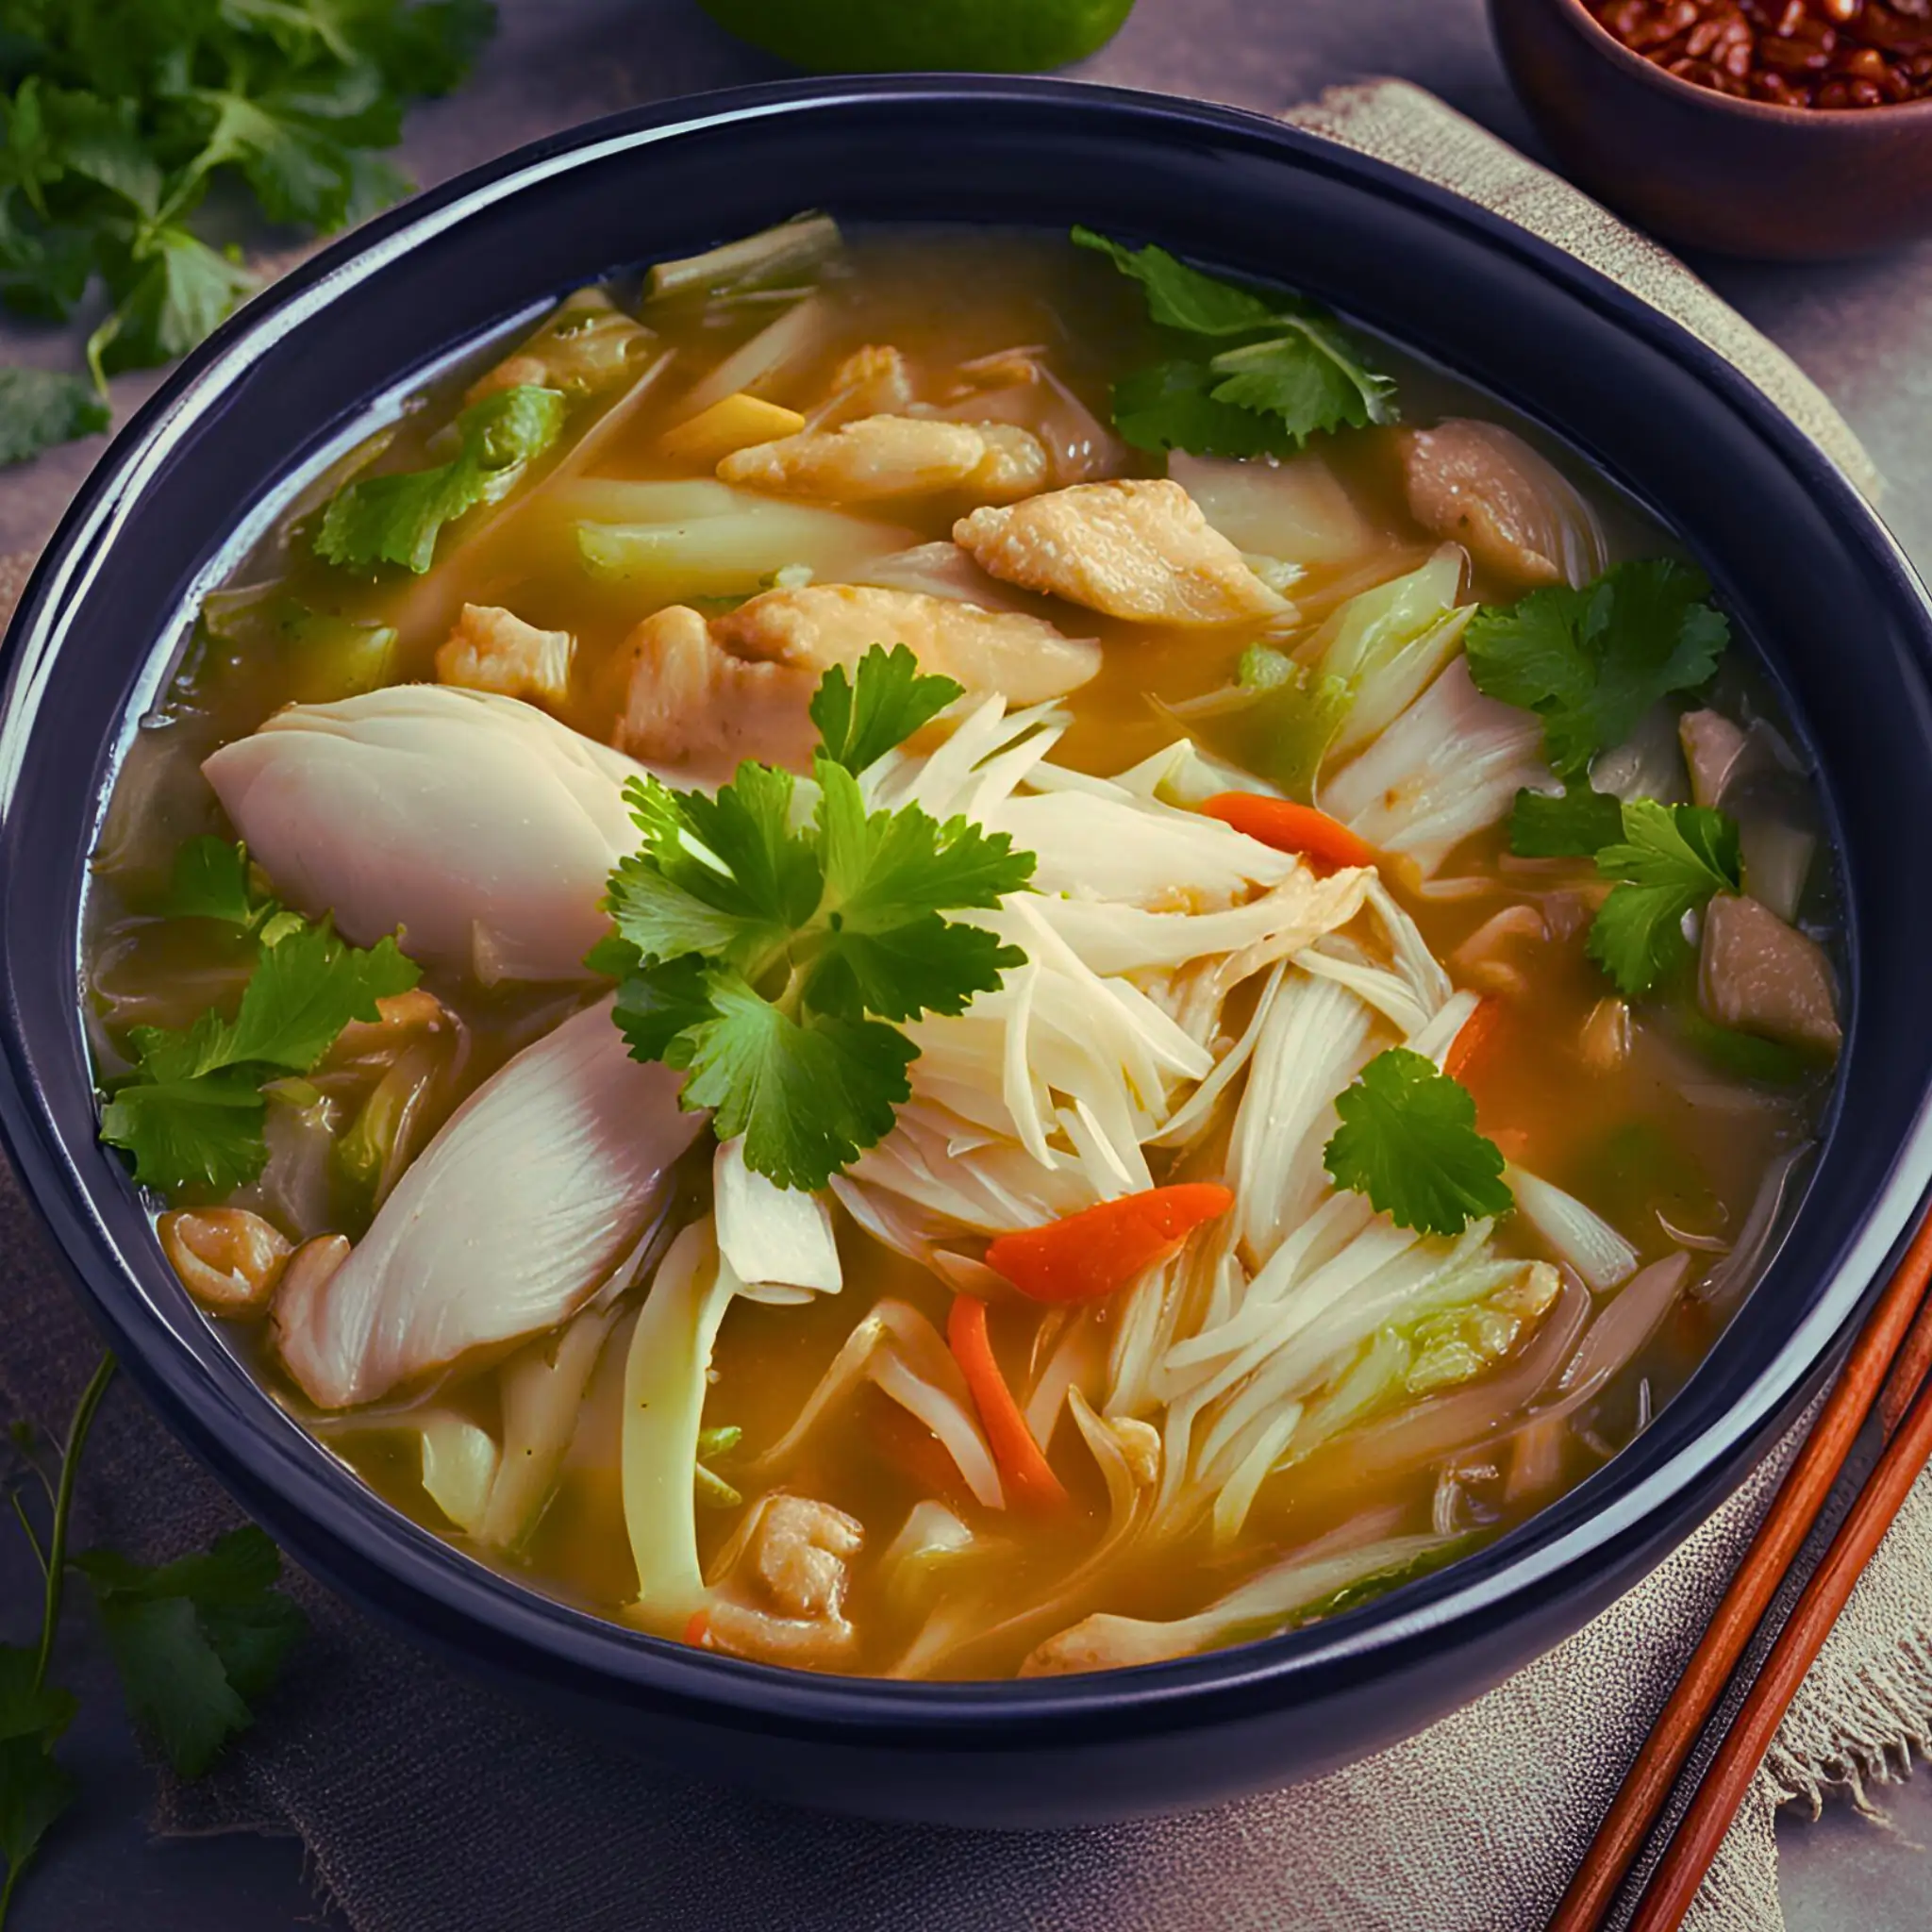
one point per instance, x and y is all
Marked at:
(1254, 372)
(1408, 1140)
(192, 1110)
(767, 940)
(116, 119)
(198, 1643)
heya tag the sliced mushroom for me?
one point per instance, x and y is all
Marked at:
(1761, 976)
(1511, 509)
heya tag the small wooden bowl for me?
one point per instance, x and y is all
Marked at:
(1701, 169)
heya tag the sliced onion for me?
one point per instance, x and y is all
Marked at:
(1583, 1238)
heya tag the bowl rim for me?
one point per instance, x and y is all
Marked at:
(1827, 122)
(448, 1593)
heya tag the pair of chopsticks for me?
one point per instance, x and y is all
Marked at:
(1887, 1367)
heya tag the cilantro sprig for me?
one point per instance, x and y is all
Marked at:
(1408, 1140)
(396, 517)
(196, 1642)
(1670, 861)
(1590, 662)
(116, 120)
(1253, 373)
(192, 1112)
(767, 938)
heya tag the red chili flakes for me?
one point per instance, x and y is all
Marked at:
(1791, 52)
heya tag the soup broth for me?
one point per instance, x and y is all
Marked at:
(1259, 1382)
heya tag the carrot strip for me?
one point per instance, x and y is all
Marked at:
(1477, 1033)
(1098, 1251)
(1013, 1448)
(1291, 827)
(697, 1628)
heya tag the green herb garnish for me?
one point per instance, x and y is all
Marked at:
(396, 517)
(116, 119)
(766, 938)
(192, 1112)
(1576, 823)
(1671, 859)
(1408, 1140)
(1255, 373)
(1591, 662)
(197, 1643)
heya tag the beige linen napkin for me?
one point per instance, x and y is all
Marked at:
(429, 1805)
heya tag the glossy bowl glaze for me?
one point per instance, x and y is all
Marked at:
(1703, 170)
(1798, 557)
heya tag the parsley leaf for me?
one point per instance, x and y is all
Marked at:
(196, 1641)
(1408, 1140)
(191, 1111)
(39, 408)
(1672, 859)
(1262, 372)
(1576, 823)
(768, 954)
(857, 730)
(1590, 662)
(396, 517)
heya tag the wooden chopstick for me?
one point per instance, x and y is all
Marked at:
(1789, 1521)
(1682, 1868)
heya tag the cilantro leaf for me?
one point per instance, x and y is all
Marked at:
(39, 408)
(1170, 405)
(396, 517)
(34, 1789)
(1181, 297)
(1297, 373)
(857, 730)
(1576, 823)
(196, 1641)
(1408, 1140)
(170, 294)
(808, 1094)
(768, 957)
(1309, 377)
(212, 881)
(192, 1112)
(1672, 859)
(1591, 662)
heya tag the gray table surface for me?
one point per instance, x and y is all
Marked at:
(1863, 330)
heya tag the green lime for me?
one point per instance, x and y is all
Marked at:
(896, 35)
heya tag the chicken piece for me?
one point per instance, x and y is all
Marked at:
(895, 456)
(1759, 974)
(1134, 548)
(872, 381)
(229, 1259)
(493, 649)
(1510, 508)
(821, 625)
(696, 705)
(796, 1561)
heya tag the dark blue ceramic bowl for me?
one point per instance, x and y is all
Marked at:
(1813, 576)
